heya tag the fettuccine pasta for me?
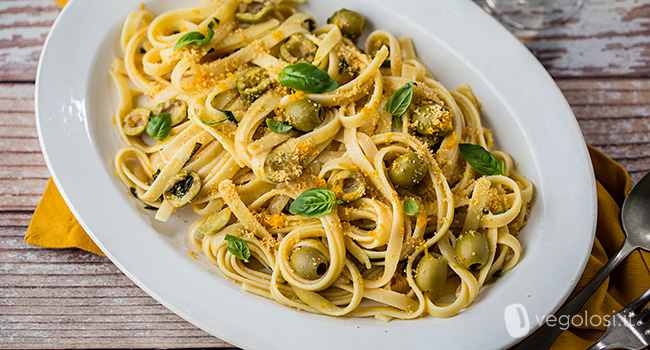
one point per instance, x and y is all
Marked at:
(328, 178)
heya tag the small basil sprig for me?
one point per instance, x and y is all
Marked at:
(228, 114)
(481, 159)
(410, 207)
(308, 78)
(314, 203)
(276, 126)
(399, 102)
(160, 126)
(196, 38)
(238, 247)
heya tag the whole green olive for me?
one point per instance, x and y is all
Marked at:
(298, 47)
(255, 11)
(282, 166)
(472, 250)
(304, 114)
(350, 23)
(407, 170)
(181, 188)
(431, 272)
(253, 83)
(308, 262)
(135, 122)
(347, 185)
(176, 108)
(432, 119)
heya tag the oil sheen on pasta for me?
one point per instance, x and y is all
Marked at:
(415, 230)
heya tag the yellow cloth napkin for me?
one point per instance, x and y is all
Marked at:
(54, 226)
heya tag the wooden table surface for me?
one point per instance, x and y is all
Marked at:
(51, 298)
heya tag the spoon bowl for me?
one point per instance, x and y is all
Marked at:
(635, 214)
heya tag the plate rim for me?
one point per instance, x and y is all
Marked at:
(62, 184)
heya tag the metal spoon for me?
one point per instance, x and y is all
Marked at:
(635, 216)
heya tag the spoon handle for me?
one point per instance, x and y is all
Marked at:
(543, 337)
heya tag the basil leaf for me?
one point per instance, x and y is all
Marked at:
(229, 116)
(308, 78)
(401, 99)
(314, 203)
(238, 247)
(481, 159)
(397, 121)
(410, 207)
(194, 38)
(160, 126)
(276, 126)
(501, 212)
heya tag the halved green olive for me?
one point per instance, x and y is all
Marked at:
(347, 185)
(181, 188)
(407, 170)
(472, 250)
(350, 23)
(432, 119)
(214, 222)
(253, 83)
(255, 11)
(135, 122)
(282, 166)
(298, 48)
(176, 108)
(308, 262)
(304, 114)
(431, 272)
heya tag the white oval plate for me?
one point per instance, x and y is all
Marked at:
(461, 44)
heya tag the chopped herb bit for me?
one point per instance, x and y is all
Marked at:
(133, 192)
(276, 126)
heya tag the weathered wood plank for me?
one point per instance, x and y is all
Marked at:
(606, 38)
(23, 28)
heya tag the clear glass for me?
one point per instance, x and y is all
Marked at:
(534, 14)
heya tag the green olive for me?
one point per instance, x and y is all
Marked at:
(431, 272)
(253, 83)
(282, 166)
(348, 185)
(176, 108)
(304, 114)
(135, 122)
(374, 44)
(349, 22)
(407, 170)
(214, 222)
(181, 188)
(472, 250)
(432, 119)
(308, 262)
(255, 11)
(298, 48)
